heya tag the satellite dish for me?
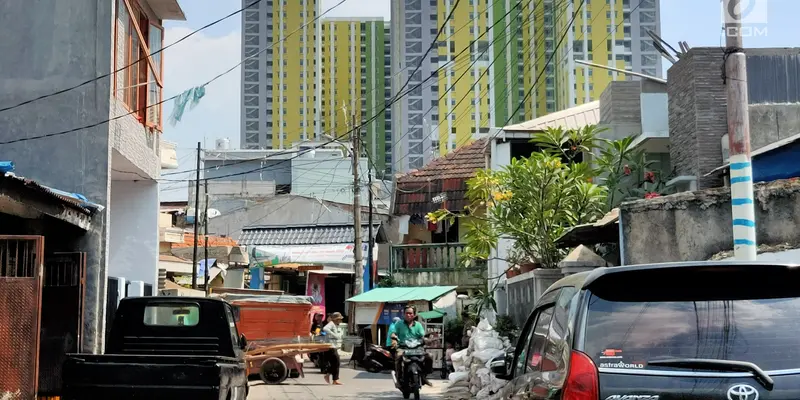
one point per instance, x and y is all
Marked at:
(213, 213)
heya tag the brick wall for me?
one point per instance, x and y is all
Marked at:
(697, 114)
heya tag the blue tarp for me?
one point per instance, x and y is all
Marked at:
(201, 266)
(6, 166)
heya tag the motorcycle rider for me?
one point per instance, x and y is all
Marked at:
(406, 329)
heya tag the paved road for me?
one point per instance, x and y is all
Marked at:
(356, 385)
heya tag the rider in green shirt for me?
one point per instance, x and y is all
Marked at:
(410, 328)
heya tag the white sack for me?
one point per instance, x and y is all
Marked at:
(456, 377)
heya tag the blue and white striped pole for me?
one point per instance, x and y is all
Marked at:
(743, 211)
(741, 169)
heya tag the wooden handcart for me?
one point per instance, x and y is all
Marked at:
(275, 362)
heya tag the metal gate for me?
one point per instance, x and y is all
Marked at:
(112, 301)
(20, 310)
(62, 316)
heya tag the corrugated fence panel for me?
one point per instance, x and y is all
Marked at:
(19, 328)
(773, 78)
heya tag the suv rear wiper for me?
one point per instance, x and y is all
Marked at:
(719, 365)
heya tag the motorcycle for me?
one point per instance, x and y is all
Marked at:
(410, 381)
(378, 359)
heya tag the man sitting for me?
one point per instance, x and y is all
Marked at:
(406, 329)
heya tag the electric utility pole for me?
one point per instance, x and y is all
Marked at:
(358, 262)
(196, 218)
(205, 234)
(370, 269)
(741, 176)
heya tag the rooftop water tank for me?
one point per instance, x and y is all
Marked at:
(223, 144)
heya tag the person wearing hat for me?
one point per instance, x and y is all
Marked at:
(335, 333)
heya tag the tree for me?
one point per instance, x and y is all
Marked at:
(535, 199)
(532, 200)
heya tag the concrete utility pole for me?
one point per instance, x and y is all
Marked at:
(196, 218)
(741, 171)
(205, 235)
(358, 263)
(371, 265)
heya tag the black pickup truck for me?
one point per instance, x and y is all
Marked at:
(164, 348)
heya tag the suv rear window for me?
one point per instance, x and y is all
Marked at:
(622, 333)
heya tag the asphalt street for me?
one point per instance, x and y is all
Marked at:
(356, 385)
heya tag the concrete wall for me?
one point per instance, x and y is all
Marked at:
(691, 226)
(522, 291)
(134, 247)
(330, 180)
(770, 123)
(276, 170)
(50, 45)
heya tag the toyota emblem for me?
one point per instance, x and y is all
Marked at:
(742, 392)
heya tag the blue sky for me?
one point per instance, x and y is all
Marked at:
(216, 49)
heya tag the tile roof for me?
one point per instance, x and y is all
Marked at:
(460, 163)
(571, 118)
(305, 234)
(447, 175)
(188, 241)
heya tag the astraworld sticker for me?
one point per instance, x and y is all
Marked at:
(622, 365)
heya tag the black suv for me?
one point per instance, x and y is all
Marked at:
(688, 331)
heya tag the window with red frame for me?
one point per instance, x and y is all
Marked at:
(138, 88)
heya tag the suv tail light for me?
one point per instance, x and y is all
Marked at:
(582, 381)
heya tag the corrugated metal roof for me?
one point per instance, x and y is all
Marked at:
(571, 118)
(76, 201)
(402, 294)
(304, 234)
(766, 149)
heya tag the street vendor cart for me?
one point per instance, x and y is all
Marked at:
(278, 332)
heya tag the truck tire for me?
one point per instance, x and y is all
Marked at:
(273, 371)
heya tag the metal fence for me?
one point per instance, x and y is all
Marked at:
(20, 307)
(62, 316)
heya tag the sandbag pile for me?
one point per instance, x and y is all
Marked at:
(473, 379)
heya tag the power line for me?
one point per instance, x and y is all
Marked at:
(477, 80)
(56, 93)
(433, 45)
(387, 105)
(176, 96)
(538, 77)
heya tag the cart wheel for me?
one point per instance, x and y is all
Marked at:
(273, 371)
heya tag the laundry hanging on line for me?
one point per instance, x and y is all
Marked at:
(190, 97)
